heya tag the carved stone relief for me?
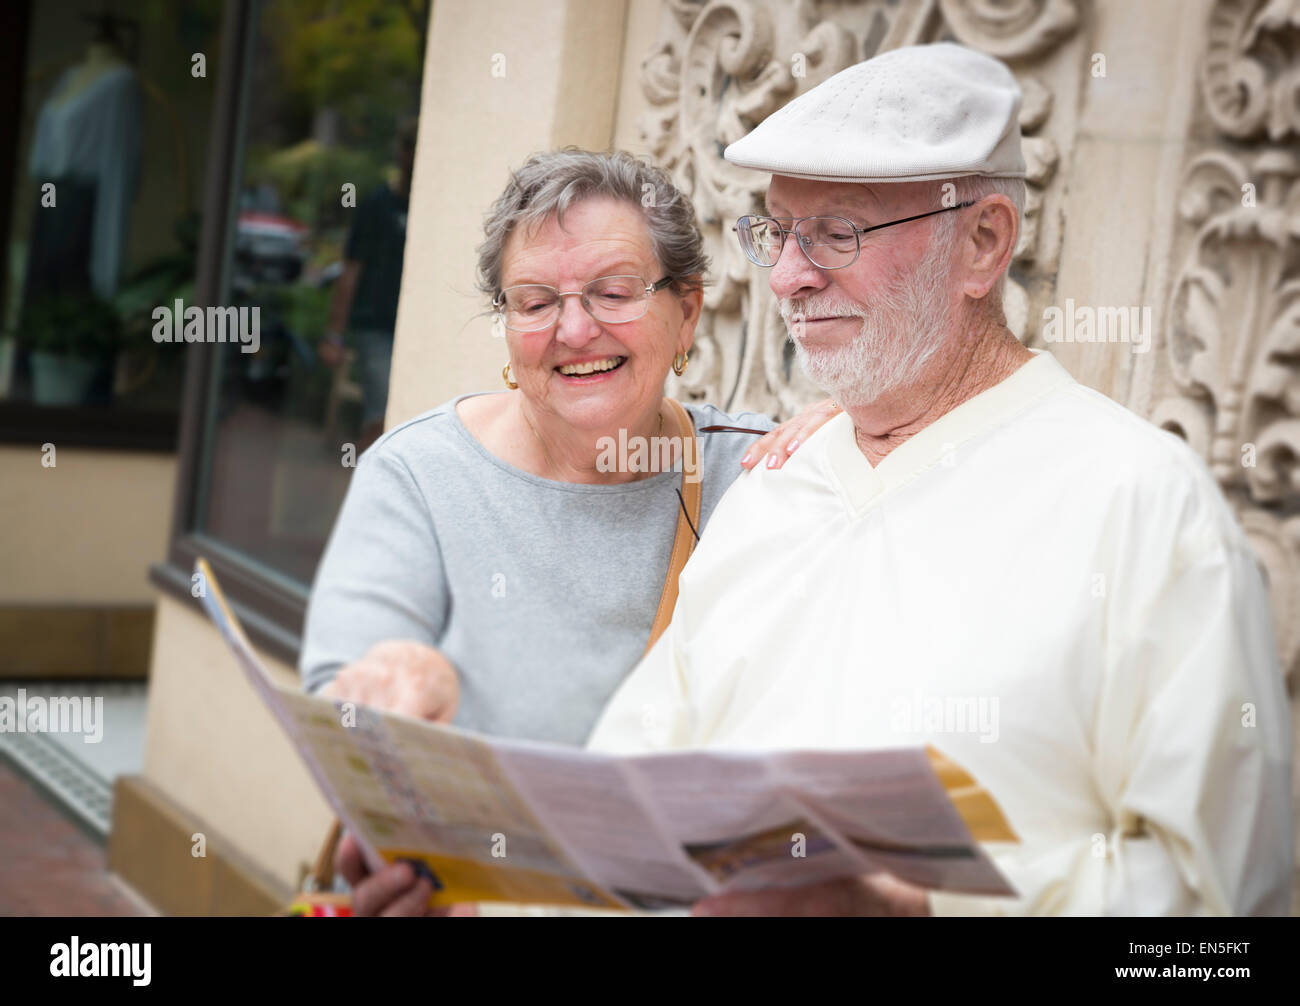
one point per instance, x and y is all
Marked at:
(722, 67)
(1233, 346)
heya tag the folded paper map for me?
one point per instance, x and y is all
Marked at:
(491, 819)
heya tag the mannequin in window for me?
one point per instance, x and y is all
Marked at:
(87, 143)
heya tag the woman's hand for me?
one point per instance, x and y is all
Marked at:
(400, 676)
(393, 891)
(776, 445)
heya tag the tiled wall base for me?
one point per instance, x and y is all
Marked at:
(151, 847)
(75, 642)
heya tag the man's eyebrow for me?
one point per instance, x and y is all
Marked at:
(863, 202)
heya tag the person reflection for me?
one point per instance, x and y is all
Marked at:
(365, 294)
(85, 161)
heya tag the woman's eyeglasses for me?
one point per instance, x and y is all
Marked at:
(611, 300)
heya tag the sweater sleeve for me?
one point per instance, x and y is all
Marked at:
(381, 576)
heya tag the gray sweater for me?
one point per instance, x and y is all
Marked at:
(541, 593)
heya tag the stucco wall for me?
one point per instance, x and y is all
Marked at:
(85, 530)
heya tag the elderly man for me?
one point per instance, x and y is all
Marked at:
(977, 531)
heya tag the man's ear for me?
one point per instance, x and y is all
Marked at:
(989, 244)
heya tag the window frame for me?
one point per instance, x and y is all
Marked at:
(270, 606)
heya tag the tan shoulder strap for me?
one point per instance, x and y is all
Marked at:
(322, 873)
(684, 538)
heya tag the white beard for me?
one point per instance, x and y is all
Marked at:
(901, 330)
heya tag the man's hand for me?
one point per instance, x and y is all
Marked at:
(400, 676)
(775, 446)
(876, 894)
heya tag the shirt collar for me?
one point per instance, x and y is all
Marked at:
(858, 483)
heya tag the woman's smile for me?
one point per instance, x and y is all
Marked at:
(589, 370)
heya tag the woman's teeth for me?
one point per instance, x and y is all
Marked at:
(591, 367)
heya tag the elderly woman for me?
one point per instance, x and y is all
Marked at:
(498, 560)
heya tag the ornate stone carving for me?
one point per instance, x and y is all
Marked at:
(1251, 74)
(1233, 350)
(1010, 30)
(723, 67)
(1235, 321)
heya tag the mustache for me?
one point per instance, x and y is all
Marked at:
(796, 308)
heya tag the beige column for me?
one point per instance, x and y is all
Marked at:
(502, 81)
(1129, 152)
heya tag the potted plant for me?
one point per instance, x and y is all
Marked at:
(71, 340)
(161, 283)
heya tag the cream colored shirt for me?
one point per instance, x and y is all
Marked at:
(1045, 587)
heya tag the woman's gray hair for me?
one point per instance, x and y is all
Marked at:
(548, 184)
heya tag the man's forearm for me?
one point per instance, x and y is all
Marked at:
(345, 289)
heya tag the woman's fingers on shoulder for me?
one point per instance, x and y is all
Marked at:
(761, 449)
(773, 448)
(794, 432)
(818, 414)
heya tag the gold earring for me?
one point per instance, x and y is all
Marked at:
(679, 368)
(505, 376)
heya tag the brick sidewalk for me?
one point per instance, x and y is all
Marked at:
(49, 866)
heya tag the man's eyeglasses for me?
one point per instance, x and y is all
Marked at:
(611, 300)
(828, 242)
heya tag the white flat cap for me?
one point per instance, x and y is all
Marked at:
(906, 115)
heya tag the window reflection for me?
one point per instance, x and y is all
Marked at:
(104, 226)
(317, 249)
